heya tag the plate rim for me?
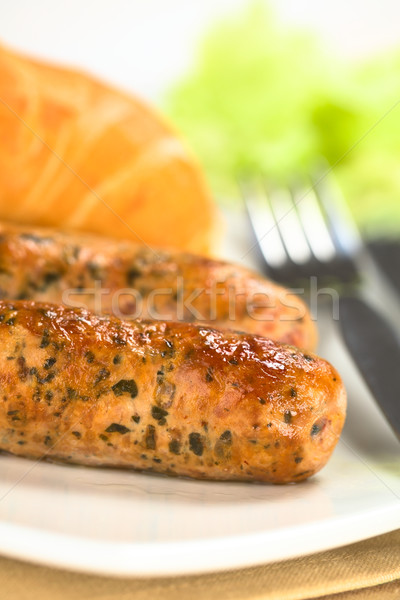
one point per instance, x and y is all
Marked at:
(163, 559)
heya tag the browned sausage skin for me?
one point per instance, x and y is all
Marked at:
(174, 398)
(137, 282)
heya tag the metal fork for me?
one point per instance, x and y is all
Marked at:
(303, 231)
(307, 232)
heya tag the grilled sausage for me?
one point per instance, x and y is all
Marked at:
(131, 281)
(174, 398)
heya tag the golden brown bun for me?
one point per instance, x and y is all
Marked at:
(65, 136)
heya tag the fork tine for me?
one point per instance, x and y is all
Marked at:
(263, 224)
(314, 225)
(340, 221)
(301, 234)
(290, 227)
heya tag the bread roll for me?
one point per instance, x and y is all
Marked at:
(77, 153)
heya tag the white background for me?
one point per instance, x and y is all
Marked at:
(143, 45)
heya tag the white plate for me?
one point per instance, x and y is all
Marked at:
(125, 523)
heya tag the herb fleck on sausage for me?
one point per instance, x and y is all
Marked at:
(89, 356)
(117, 428)
(175, 446)
(150, 437)
(159, 414)
(49, 362)
(287, 416)
(226, 437)
(125, 386)
(196, 444)
(101, 376)
(45, 341)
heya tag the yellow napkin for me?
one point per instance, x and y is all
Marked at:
(367, 570)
